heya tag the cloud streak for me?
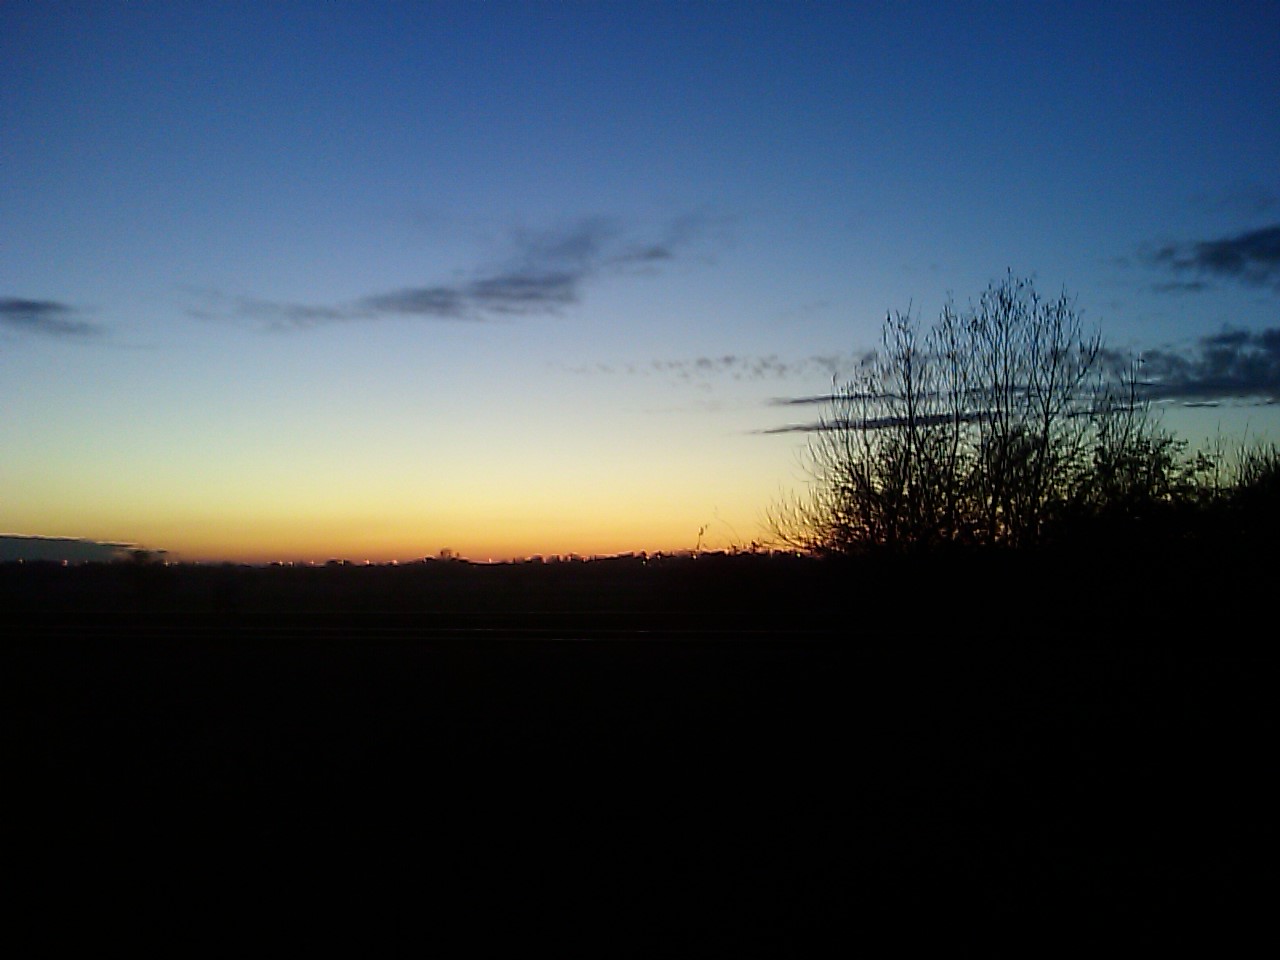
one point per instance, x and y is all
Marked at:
(731, 367)
(47, 318)
(1251, 258)
(869, 423)
(544, 273)
(1232, 366)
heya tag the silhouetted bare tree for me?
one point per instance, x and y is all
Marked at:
(983, 430)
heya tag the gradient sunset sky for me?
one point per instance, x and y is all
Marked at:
(307, 280)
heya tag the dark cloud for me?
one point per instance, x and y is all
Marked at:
(820, 399)
(543, 273)
(516, 291)
(870, 423)
(61, 549)
(1252, 258)
(1229, 365)
(47, 317)
(1088, 407)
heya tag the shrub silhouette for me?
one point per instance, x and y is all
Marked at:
(1004, 424)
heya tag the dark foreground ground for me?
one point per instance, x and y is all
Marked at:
(766, 759)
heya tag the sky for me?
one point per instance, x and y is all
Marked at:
(295, 281)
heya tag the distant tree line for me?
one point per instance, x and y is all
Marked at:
(1008, 424)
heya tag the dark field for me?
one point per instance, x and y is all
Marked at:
(725, 755)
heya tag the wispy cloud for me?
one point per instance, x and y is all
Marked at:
(284, 315)
(732, 367)
(1252, 258)
(543, 272)
(1229, 365)
(44, 317)
(1182, 286)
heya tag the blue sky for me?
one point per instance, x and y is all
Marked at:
(302, 280)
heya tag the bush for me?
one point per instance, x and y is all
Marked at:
(1002, 425)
